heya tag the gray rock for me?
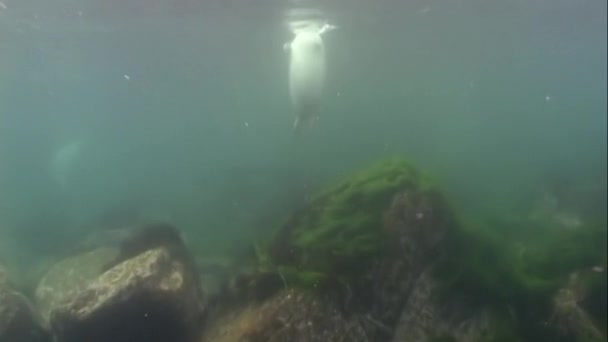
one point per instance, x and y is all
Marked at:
(19, 322)
(424, 318)
(67, 278)
(290, 315)
(150, 297)
(416, 222)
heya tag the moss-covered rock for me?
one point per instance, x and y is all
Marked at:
(379, 234)
(342, 230)
(519, 264)
(362, 243)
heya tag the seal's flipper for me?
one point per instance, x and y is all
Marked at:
(326, 28)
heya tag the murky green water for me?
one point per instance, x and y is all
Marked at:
(180, 111)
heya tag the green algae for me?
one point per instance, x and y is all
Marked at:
(520, 264)
(513, 266)
(523, 258)
(342, 229)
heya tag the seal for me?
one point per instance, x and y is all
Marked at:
(307, 70)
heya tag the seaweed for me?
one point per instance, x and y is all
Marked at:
(520, 264)
(342, 230)
(515, 267)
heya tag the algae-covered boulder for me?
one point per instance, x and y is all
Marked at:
(525, 266)
(19, 322)
(343, 229)
(417, 223)
(363, 242)
(384, 249)
(291, 315)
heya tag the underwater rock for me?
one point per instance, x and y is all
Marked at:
(19, 321)
(384, 249)
(416, 223)
(426, 318)
(149, 297)
(291, 315)
(363, 243)
(159, 235)
(213, 273)
(67, 278)
(523, 265)
(341, 232)
(569, 317)
(239, 285)
(252, 286)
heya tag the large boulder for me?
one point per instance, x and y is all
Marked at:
(19, 322)
(65, 279)
(364, 242)
(523, 267)
(569, 316)
(426, 317)
(384, 245)
(291, 315)
(150, 297)
(147, 289)
(380, 256)
(416, 223)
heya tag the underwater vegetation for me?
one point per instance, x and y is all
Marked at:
(379, 255)
(516, 268)
(522, 267)
(342, 229)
